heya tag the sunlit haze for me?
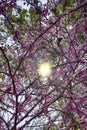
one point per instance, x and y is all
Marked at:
(44, 69)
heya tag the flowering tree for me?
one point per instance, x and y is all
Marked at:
(43, 64)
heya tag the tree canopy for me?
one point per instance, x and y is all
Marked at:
(43, 65)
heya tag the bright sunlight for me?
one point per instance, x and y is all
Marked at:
(44, 69)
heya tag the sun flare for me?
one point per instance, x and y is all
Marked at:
(44, 69)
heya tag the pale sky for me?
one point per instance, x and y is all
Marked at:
(20, 3)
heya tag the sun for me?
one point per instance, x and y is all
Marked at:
(44, 69)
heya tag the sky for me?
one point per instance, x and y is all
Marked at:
(20, 3)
